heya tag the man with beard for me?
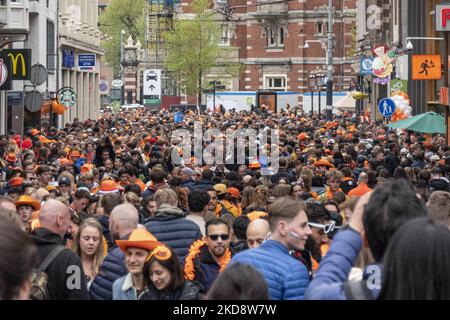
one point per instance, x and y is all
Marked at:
(208, 257)
(123, 220)
(319, 218)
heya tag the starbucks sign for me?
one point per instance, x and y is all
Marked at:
(67, 97)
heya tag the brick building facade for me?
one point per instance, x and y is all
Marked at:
(270, 39)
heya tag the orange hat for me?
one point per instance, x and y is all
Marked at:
(139, 238)
(303, 136)
(108, 186)
(16, 182)
(45, 140)
(34, 132)
(234, 192)
(322, 130)
(254, 165)
(65, 162)
(86, 168)
(29, 201)
(11, 157)
(323, 162)
(50, 188)
(257, 215)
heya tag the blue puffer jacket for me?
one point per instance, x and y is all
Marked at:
(111, 269)
(170, 226)
(335, 267)
(286, 277)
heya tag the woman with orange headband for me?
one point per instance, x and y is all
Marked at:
(165, 277)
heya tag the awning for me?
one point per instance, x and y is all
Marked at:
(347, 103)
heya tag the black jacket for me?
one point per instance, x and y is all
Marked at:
(66, 278)
(282, 173)
(190, 291)
(203, 185)
(104, 221)
(392, 162)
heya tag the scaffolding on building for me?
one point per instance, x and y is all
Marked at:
(159, 21)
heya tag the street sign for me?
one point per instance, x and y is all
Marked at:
(67, 97)
(426, 67)
(33, 100)
(366, 65)
(386, 107)
(117, 83)
(38, 74)
(5, 74)
(442, 17)
(68, 58)
(152, 86)
(20, 63)
(103, 87)
(398, 85)
(115, 94)
(86, 62)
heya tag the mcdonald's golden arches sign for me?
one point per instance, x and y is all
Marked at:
(20, 63)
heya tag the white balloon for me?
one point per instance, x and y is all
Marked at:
(407, 113)
(409, 108)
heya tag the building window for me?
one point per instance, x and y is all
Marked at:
(275, 37)
(320, 28)
(271, 42)
(226, 35)
(281, 37)
(51, 54)
(277, 83)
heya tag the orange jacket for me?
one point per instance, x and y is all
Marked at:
(360, 190)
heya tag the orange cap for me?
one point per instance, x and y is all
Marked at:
(234, 192)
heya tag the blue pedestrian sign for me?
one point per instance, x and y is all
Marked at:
(386, 107)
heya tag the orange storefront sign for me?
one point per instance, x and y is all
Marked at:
(426, 67)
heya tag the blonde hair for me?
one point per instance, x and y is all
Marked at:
(100, 254)
(133, 198)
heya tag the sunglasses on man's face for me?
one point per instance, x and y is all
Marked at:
(215, 237)
(327, 228)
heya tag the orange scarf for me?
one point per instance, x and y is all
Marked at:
(194, 251)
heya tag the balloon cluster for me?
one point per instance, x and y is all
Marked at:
(402, 103)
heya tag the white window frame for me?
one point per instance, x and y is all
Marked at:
(269, 77)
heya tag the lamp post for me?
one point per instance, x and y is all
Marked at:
(321, 79)
(319, 82)
(214, 83)
(122, 33)
(330, 62)
(311, 80)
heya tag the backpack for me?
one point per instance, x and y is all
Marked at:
(39, 278)
(357, 290)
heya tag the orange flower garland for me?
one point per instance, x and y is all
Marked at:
(194, 251)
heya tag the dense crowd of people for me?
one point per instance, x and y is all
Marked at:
(103, 210)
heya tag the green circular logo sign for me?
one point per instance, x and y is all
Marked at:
(67, 97)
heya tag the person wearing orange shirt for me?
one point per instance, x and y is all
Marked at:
(362, 187)
(334, 179)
